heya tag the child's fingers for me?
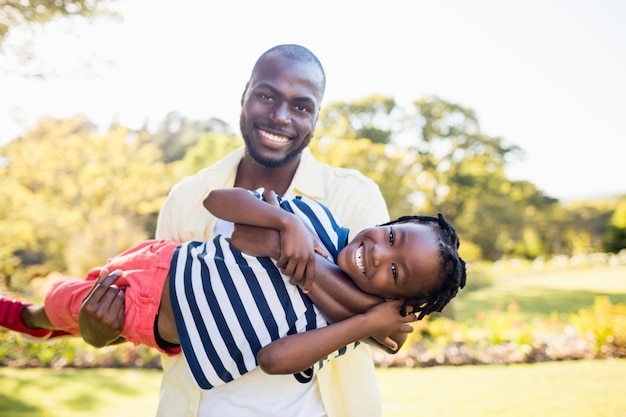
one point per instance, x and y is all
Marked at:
(390, 343)
(303, 276)
(270, 198)
(309, 277)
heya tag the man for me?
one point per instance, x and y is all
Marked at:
(280, 107)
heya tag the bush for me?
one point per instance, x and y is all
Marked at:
(501, 337)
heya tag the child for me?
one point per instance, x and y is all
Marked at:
(231, 309)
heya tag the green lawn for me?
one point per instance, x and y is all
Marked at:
(541, 293)
(555, 389)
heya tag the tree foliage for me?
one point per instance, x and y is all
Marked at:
(435, 158)
(14, 13)
(210, 147)
(367, 118)
(77, 197)
(176, 134)
(73, 197)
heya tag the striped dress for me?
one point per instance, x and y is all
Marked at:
(228, 305)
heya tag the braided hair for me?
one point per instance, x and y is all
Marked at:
(452, 275)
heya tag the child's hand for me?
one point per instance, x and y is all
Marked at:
(385, 319)
(297, 254)
(297, 248)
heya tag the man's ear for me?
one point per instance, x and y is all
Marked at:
(243, 95)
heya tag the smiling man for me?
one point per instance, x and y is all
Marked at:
(280, 107)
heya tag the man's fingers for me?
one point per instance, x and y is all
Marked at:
(112, 301)
(111, 279)
(103, 290)
(117, 306)
(103, 274)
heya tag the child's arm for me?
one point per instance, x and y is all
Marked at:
(297, 247)
(339, 298)
(297, 352)
(332, 291)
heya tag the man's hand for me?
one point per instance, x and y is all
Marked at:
(101, 316)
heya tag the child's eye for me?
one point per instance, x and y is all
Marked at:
(394, 272)
(392, 237)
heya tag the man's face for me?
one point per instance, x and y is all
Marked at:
(279, 110)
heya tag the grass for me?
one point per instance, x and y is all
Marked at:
(541, 293)
(40, 392)
(554, 389)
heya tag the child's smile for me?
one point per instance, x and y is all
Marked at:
(396, 261)
(358, 259)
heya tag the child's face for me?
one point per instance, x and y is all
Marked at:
(396, 261)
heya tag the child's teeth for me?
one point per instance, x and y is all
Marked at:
(358, 259)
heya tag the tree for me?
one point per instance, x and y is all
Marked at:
(176, 134)
(208, 149)
(14, 13)
(437, 159)
(615, 239)
(368, 118)
(75, 198)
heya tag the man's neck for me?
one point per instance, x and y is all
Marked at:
(251, 175)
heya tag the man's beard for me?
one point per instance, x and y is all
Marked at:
(266, 162)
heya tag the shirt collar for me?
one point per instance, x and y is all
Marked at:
(306, 181)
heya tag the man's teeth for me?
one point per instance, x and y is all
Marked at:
(358, 259)
(274, 138)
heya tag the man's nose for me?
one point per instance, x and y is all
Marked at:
(280, 114)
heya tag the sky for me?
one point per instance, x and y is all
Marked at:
(546, 75)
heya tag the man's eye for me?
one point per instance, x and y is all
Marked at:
(392, 237)
(302, 109)
(265, 97)
(394, 272)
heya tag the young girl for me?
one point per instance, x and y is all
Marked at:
(233, 311)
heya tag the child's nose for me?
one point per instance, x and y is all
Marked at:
(380, 253)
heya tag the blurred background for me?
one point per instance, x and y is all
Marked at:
(505, 116)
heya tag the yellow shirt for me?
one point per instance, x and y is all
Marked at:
(348, 385)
